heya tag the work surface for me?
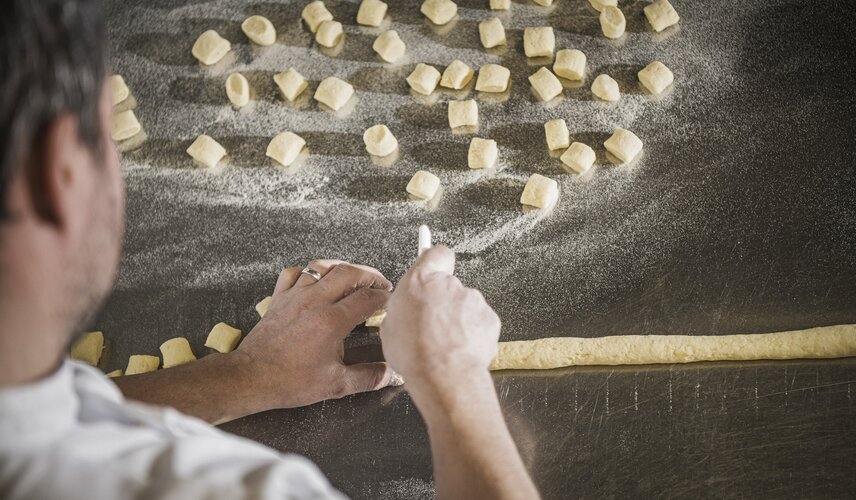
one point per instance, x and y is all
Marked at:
(739, 217)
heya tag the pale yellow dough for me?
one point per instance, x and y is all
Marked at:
(543, 354)
(88, 348)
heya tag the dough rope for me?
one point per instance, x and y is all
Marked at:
(542, 354)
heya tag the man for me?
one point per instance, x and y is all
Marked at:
(67, 432)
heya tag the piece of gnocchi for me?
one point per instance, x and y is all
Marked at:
(661, 15)
(457, 75)
(599, 5)
(376, 319)
(557, 134)
(612, 22)
(285, 148)
(115, 373)
(624, 145)
(540, 192)
(424, 79)
(570, 64)
(263, 306)
(439, 12)
(482, 153)
(500, 4)
(539, 42)
(329, 33)
(492, 33)
(118, 89)
(259, 30)
(371, 13)
(210, 47)
(334, 93)
(463, 114)
(544, 3)
(238, 90)
(88, 348)
(125, 125)
(656, 77)
(606, 88)
(176, 352)
(290, 83)
(578, 157)
(423, 185)
(545, 84)
(493, 78)
(389, 46)
(314, 14)
(142, 363)
(223, 338)
(206, 151)
(380, 141)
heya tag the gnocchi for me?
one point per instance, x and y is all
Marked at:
(493, 78)
(259, 30)
(606, 88)
(545, 84)
(482, 153)
(206, 150)
(492, 33)
(223, 338)
(290, 83)
(457, 75)
(263, 306)
(656, 77)
(176, 352)
(539, 42)
(578, 157)
(424, 79)
(329, 33)
(380, 141)
(210, 47)
(570, 64)
(557, 134)
(661, 15)
(142, 363)
(285, 148)
(314, 14)
(439, 12)
(612, 22)
(540, 192)
(376, 319)
(116, 373)
(624, 145)
(88, 348)
(599, 5)
(238, 90)
(371, 13)
(500, 4)
(423, 185)
(334, 93)
(463, 114)
(389, 46)
(118, 89)
(125, 126)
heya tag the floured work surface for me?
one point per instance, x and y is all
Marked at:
(738, 217)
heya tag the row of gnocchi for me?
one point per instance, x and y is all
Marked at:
(222, 338)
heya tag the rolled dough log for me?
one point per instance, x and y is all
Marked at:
(543, 354)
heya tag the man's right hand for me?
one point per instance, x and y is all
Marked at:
(438, 333)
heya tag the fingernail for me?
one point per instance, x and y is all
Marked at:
(396, 380)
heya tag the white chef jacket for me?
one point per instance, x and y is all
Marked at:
(73, 436)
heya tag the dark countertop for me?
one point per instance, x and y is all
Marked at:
(740, 217)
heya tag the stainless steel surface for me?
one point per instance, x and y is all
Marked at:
(740, 217)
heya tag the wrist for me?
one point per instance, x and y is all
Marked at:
(466, 392)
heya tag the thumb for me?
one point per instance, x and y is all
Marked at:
(438, 259)
(364, 377)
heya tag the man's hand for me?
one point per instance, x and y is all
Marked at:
(297, 350)
(438, 333)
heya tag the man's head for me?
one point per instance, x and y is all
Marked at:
(61, 193)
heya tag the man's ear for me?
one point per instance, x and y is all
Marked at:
(57, 171)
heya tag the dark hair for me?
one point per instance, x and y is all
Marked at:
(53, 61)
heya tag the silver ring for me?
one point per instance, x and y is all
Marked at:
(312, 272)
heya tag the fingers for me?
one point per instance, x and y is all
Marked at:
(345, 278)
(359, 305)
(287, 278)
(435, 260)
(364, 377)
(323, 266)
